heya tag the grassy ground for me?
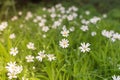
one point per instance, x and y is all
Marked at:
(100, 63)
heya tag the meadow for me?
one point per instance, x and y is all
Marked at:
(60, 42)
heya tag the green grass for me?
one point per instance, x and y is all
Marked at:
(101, 63)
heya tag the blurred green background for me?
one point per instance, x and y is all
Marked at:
(10, 7)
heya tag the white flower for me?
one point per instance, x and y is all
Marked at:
(31, 46)
(29, 58)
(64, 43)
(74, 15)
(12, 36)
(84, 47)
(14, 18)
(93, 33)
(14, 51)
(70, 17)
(56, 24)
(45, 28)
(51, 57)
(65, 33)
(33, 67)
(41, 24)
(104, 15)
(13, 70)
(44, 35)
(94, 20)
(35, 20)
(41, 55)
(12, 75)
(116, 77)
(3, 26)
(20, 13)
(11, 66)
(84, 28)
(107, 34)
(53, 15)
(87, 12)
(28, 16)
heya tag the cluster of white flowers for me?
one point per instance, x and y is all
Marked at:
(111, 35)
(14, 51)
(13, 70)
(31, 46)
(84, 47)
(3, 26)
(42, 55)
(69, 14)
(116, 77)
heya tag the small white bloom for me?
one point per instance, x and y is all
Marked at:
(14, 18)
(87, 12)
(28, 15)
(33, 67)
(10, 66)
(64, 43)
(65, 33)
(116, 77)
(14, 51)
(31, 46)
(41, 24)
(20, 13)
(70, 17)
(41, 55)
(35, 20)
(12, 36)
(29, 58)
(3, 26)
(84, 47)
(44, 35)
(104, 15)
(53, 15)
(94, 20)
(13, 69)
(12, 75)
(51, 57)
(45, 28)
(84, 28)
(93, 33)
